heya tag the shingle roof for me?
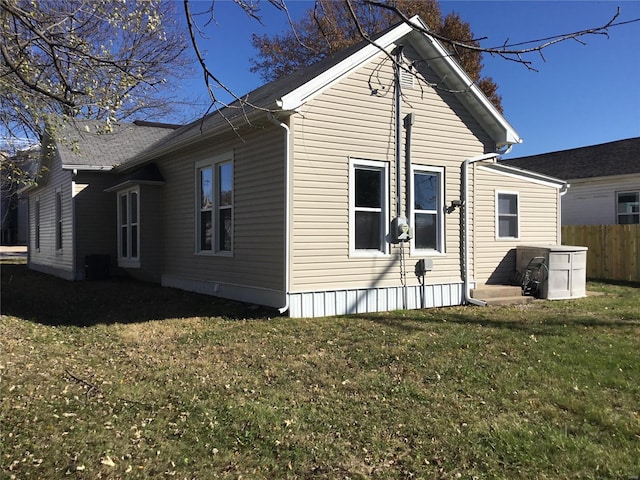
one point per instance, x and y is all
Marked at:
(262, 98)
(130, 145)
(87, 144)
(621, 157)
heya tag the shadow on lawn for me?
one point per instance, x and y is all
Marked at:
(52, 301)
(552, 320)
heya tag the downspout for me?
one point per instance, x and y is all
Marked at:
(287, 196)
(465, 236)
(563, 191)
(408, 126)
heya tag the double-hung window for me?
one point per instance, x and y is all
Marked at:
(214, 229)
(369, 191)
(508, 215)
(129, 226)
(628, 208)
(427, 190)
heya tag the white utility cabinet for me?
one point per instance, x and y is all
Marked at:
(567, 269)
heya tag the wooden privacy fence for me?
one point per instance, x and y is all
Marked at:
(614, 250)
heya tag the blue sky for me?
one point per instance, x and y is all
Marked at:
(581, 95)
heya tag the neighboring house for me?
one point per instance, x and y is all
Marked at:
(292, 200)
(605, 181)
(17, 169)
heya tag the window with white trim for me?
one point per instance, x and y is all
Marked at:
(58, 211)
(507, 215)
(628, 208)
(427, 191)
(129, 227)
(369, 193)
(214, 229)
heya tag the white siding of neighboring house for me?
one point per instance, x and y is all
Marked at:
(255, 271)
(593, 201)
(495, 259)
(47, 258)
(347, 121)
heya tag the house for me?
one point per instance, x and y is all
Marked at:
(605, 181)
(18, 168)
(351, 186)
(71, 217)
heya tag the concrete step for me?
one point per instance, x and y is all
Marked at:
(485, 292)
(500, 295)
(509, 300)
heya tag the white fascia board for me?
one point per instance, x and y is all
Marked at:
(130, 183)
(523, 174)
(479, 104)
(93, 168)
(296, 98)
(485, 110)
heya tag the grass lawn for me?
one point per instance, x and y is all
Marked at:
(128, 380)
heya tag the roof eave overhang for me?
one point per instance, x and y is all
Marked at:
(528, 175)
(132, 183)
(457, 80)
(460, 84)
(87, 168)
(26, 189)
(195, 139)
(296, 98)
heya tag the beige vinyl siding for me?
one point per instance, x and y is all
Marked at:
(538, 223)
(593, 201)
(347, 121)
(95, 218)
(47, 258)
(258, 212)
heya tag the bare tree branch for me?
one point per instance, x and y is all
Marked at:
(89, 58)
(243, 103)
(507, 51)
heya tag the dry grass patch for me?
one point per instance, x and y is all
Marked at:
(198, 388)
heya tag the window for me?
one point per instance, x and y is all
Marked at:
(37, 225)
(508, 213)
(427, 209)
(215, 206)
(628, 207)
(58, 219)
(128, 222)
(205, 227)
(368, 213)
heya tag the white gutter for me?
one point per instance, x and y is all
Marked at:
(465, 203)
(287, 196)
(93, 168)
